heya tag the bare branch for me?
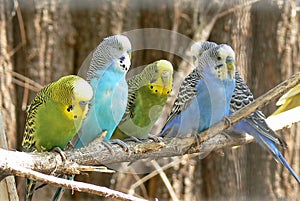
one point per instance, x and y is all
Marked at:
(74, 185)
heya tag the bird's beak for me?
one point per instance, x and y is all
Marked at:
(129, 53)
(230, 67)
(165, 76)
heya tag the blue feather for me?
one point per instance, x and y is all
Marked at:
(209, 106)
(244, 126)
(107, 106)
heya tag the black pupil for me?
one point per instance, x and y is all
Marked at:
(70, 108)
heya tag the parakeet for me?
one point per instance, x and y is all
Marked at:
(107, 68)
(204, 96)
(254, 124)
(289, 110)
(106, 74)
(148, 93)
(54, 117)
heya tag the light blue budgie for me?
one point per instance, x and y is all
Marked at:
(254, 124)
(109, 65)
(204, 96)
(106, 74)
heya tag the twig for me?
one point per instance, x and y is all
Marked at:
(165, 179)
(155, 172)
(235, 8)
(26, 79)
(73, 185)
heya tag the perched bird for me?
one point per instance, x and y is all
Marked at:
(205, 94)
(54, 117)
(147, 94)
(106, 74)
(255, 124)
(107, 67)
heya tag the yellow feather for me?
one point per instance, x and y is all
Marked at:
(289, 100)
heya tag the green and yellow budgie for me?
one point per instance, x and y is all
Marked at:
(147, 94)
(54, 117)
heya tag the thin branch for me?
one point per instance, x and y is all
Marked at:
(153, 174)
(73, 185)
(165, 179)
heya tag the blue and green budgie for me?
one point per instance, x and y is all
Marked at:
(254, 124)
(205, 94)
(106, 74)
(54, 117)
(147, 95)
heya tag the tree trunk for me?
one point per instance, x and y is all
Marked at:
(7, 97)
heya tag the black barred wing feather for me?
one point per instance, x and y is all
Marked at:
(242, 96)
(28, 143)
(187, 92)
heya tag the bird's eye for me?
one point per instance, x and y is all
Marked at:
(219, 58)
(83, 103)
(122, 58)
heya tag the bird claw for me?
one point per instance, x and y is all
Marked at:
(121, 143)
(40, 186)
(226, 135)
(70, 145)
(61, 153)
(132, 138)
(197, 138)
(154, 138)
(227, 122)
(108, 146)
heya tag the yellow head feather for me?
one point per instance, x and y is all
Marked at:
(163, 83)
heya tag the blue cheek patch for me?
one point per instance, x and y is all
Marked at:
(122, 58)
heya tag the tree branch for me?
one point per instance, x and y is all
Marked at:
(19, 163)
(74, 185)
